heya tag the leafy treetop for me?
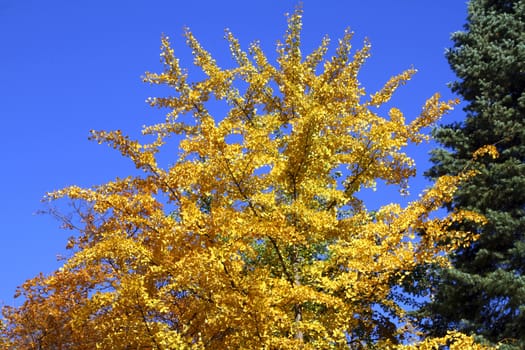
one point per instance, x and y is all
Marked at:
(255, 236)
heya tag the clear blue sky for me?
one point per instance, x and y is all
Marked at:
(70, 66)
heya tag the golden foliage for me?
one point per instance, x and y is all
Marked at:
(255, 236)
(490, 150)
(453, 341)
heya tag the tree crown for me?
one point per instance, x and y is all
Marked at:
(255, 236)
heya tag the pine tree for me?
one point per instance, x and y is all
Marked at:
(484, 292)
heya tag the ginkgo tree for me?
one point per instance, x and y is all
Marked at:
(254, 237)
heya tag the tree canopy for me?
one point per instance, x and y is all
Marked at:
(484, 293)
(255, 236)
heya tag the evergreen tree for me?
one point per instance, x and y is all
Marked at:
(484, 292)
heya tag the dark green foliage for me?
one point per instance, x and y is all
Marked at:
(484, 293)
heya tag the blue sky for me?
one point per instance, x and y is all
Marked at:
(70, 66)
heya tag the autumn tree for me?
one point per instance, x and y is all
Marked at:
(485, 292)
(255, 236)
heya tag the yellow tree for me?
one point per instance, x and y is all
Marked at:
(254, 237)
